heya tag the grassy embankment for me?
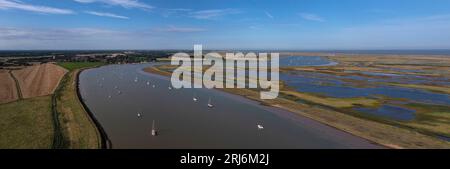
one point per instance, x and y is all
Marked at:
(77, 128)
(385, 134)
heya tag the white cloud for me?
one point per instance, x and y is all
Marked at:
(268, 15)
(104, 14)
(174, 11)
(180, 29)
(311, 17)
(212, 13)
(9, 4)
(13, 38)
(123, 3)
(11, 33)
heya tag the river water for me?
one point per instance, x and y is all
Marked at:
(117, 93)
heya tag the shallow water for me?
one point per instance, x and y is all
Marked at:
(183, 123)
(305, 61)
(333, 87)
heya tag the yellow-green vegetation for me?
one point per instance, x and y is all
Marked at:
(378, 132)
(333, 102)
(431, 118)
(164, 59)
(79, 65)
(26, 124)
(78, 129)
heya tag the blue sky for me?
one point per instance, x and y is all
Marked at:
(225, 24)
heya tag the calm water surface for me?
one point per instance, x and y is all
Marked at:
(115, 98)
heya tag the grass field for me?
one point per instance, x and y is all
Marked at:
(29, 123)
(26, 124)
(79, 65)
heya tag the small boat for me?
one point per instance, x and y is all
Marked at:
(170, 88)
(139, 115)
(209, 103)
(148, 83)
(153, 86)
(154, 132)
(109, 97)
(195, 98)
(119, 92)
(260, 127)
(115, 87)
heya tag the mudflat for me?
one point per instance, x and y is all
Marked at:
(39, 80)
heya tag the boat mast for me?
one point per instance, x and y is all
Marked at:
(153, 129)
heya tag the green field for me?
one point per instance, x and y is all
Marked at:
(79, 65)
(29, 123)
(26, 124)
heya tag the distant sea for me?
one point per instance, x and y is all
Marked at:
(394, 52)
(4, 53)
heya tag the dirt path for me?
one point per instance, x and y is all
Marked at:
(16, 82)
(8, 88)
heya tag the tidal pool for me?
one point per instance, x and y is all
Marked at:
(390, 112)
(332, 87)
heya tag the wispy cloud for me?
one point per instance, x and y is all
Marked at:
(105, 14)
(18, 5)
(175, 11)
(15, 38)
(180, 29)
(311, 17)
(268, 15)
(11, 33)
(213, 13)
(123, 3)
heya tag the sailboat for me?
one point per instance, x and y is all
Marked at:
(154, 132)
(195, 98)
(260, 127)
(209, 103)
